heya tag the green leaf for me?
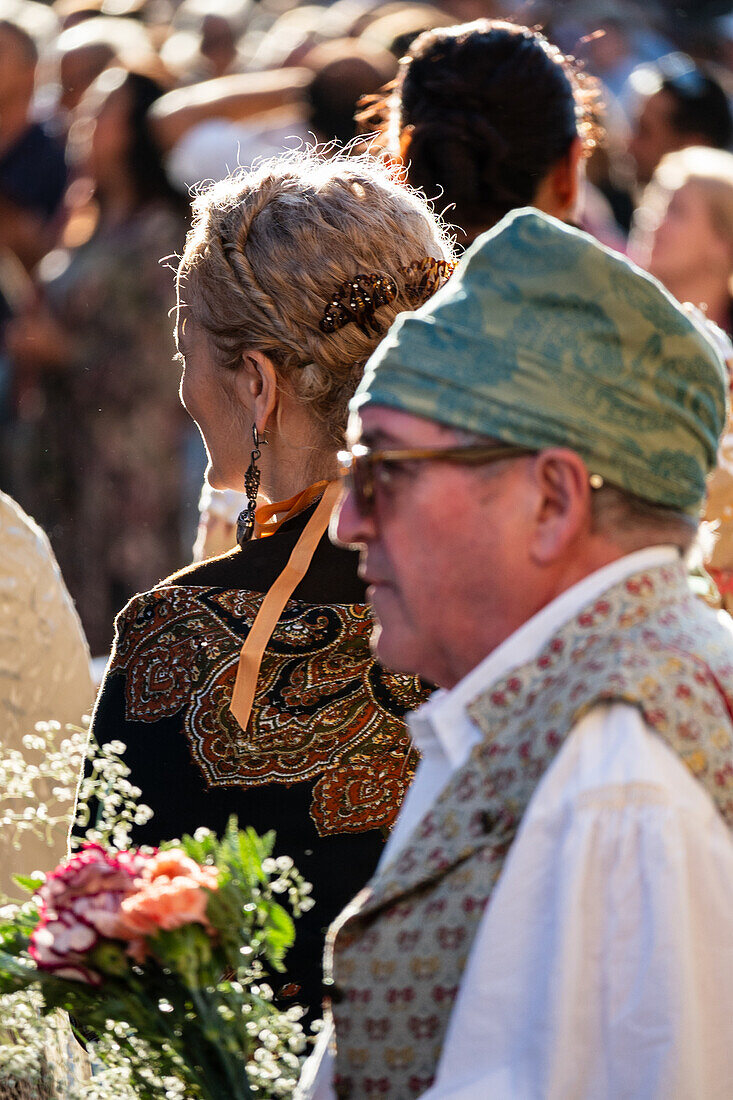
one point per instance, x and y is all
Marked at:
(279, 933)
(30, 883)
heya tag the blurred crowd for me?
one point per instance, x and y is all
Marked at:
(112, 111)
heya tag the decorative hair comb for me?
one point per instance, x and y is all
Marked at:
(423, 277)
(359, 298)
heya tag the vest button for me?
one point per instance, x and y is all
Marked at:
(489, 822)
(334, 992)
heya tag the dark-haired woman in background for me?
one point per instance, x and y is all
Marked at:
(102, 468)
(488, 117)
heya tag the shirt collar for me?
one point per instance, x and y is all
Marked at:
(442, 717)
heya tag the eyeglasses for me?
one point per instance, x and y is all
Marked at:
(362, 468)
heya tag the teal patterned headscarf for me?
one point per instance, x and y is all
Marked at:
(544, 338)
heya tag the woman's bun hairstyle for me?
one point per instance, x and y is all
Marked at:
(489, 108)
(270, 248)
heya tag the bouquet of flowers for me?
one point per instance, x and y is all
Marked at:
(161, 957)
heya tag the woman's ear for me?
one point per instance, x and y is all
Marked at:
(575, 169)
(256, 382)
(557, 194)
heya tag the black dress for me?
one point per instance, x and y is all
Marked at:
(325, 760)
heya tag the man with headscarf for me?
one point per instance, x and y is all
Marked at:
(553, 912)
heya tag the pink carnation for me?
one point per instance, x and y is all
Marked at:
(172, 891)
(79, 905)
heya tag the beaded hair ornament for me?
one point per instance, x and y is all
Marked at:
(357, 300)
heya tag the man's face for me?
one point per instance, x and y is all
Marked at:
(653, 134)
(444, 550)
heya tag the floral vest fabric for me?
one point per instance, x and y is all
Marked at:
(395, 956)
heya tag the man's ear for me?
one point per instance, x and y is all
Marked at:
(257, 385)
(563, 509)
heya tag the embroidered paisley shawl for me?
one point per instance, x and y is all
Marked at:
(323, 710)
(325, 757)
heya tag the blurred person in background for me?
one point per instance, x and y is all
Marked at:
(219, 510)
(72, 12)
(82, 52)
(678, 104)
(487, 117)
(465, 11)
(32, 185)
(684, 236)
(343, 71)
(717, 547)
(684, 229)
(80, 63)
(203, 39)
(395, 27)
(32, 168)
(611, 47)
(245, 685)
(101, 466)
(208, 129)
(219, 44)
(45, 672)
(290, 33)
(611, 39)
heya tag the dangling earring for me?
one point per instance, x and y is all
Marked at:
(246, 518)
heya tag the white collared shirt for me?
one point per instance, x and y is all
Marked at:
(602, 967)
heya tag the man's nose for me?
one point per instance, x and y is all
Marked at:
(348, 526)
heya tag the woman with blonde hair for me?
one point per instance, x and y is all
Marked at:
(683, 234)
(683, 229)
(245, 685)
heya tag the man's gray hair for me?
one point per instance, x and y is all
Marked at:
(628, 518)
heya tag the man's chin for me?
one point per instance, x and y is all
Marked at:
(387, 649)
(374, 640)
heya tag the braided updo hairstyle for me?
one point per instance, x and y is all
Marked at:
(489, 108)
(269, 248)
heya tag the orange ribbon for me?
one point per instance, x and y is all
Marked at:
(286, 508)
(271, 608)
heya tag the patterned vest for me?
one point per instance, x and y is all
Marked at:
(395, 956)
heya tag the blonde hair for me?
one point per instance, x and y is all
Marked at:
(268, 250)
(709, 169)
